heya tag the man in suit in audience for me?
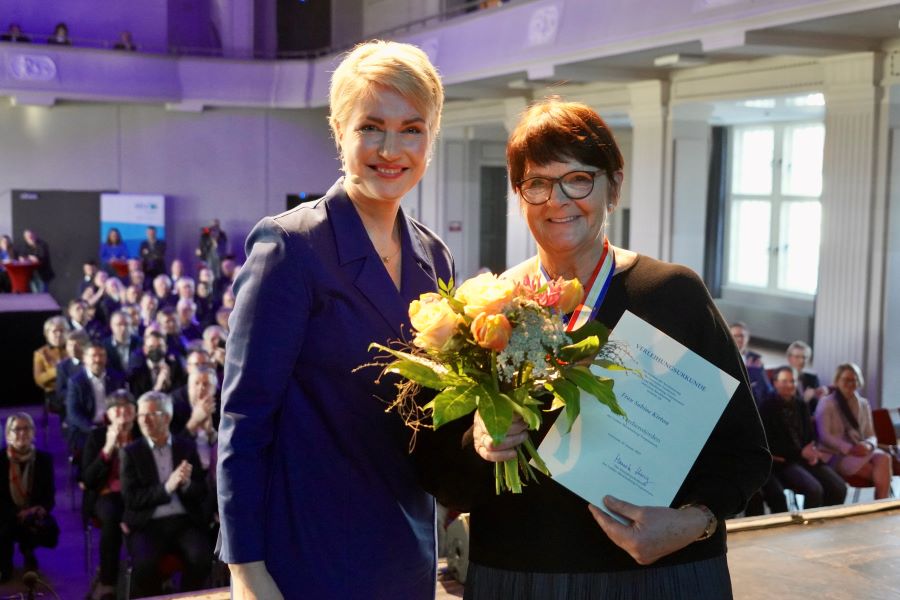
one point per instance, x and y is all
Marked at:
(164, 488)
(756, 371)
(76, 342)
(86, 395)
(122, 347)
(153, 254)
(154, 370)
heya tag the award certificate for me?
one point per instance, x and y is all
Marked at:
(673, 399)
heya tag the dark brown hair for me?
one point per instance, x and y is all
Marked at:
(553, 130)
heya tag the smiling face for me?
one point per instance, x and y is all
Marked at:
(384, 144)
(565, 227)
(20, 435)
(847, 382)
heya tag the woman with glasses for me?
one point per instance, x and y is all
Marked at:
(26, 496)
(547, 542)
(846, 435)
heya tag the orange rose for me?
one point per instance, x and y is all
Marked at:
(571, 295)
(434, 320)
(491, 331)
(485, 293)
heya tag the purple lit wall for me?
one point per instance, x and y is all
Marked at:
(234, 164)
(147, 20)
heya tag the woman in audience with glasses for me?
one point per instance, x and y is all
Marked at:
(547, 542)
(299, 424)
(846, 436)
(26, 496)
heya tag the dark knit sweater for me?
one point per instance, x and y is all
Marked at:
(549, 529)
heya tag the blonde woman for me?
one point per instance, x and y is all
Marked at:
(318, 496)
(846, 436)
(48, 356)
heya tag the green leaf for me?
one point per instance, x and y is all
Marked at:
(586, 348)
(611, 365)
(588, 329)
(599, 387)
(423, 371)
(531, 418)
(451, 404)
(567, 394)
(495, 411)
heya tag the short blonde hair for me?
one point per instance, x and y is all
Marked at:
(401, 68)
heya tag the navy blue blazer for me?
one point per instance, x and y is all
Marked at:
(314, 476)
(80, 402)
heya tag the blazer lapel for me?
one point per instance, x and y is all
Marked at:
(354, 247)
(418, 274)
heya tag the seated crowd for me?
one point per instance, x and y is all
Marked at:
(134, 369)
(821, 437)
(60, 37)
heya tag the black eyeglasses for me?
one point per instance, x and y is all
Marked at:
(575, 185)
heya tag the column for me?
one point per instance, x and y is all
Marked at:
(689, 165)
(846, 329)
(650, 216)
(890, 349)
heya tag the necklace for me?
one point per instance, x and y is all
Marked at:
(386, 258)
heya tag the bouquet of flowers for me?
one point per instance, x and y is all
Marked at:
(497, 347)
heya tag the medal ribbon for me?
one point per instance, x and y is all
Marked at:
(595, 289)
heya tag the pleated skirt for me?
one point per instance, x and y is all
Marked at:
(701, 580)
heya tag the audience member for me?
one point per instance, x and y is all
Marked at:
(226, 278)
(756, 371)
(89, 270)
(206, 307)
(60, 35)
(122, 346)
(86, 395)
(214, 340)
(168, 324)
(153, 254)
(47, 358)
(164, 489)
(188, 326)
(133, 294)
(149, 307)
(125, 42)
(37, 250)
(213, 247)
(195, 409)
(26, 496)
(138, 279)
(846, 437)
(162, 291)
(797, 466)
(113, 249)
(111, 301)
(101, 476)
(176, 270)
(810, 388)
(185, 288)
(222, 316)
(7, 254)
(76, 342)
(155, 371)
(76, 314)
(14, 34)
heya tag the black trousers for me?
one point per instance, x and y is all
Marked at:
(108, 510)
(169, 535)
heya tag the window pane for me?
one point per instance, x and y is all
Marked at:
(801, 170)
(798, 258)
(748, 249)
(752, 166)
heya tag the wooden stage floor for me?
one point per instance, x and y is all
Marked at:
(817, 554)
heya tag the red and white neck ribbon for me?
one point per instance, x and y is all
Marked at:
(595, 288)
